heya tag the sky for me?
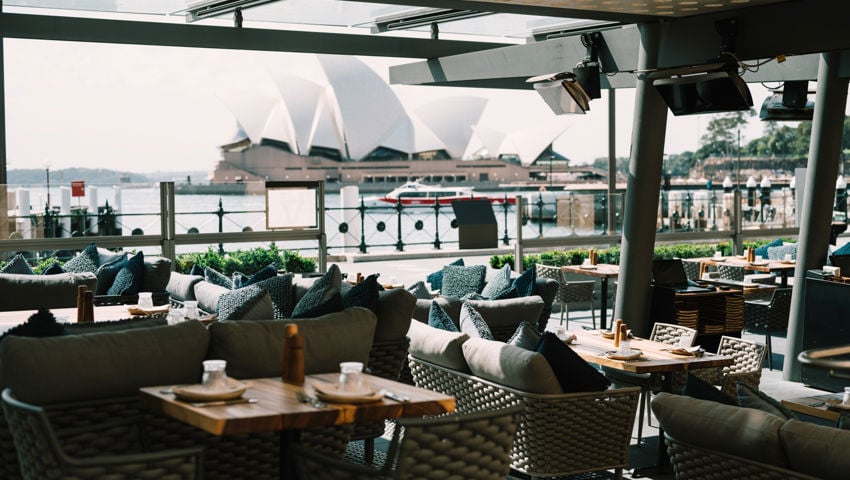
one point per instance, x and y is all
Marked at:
(146, 108)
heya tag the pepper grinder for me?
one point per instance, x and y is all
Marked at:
(293, 355)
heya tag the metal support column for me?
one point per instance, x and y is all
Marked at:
(4, 206)
(520, 208)
(816, 216)
(612, 160)
(167, 223)
(642, 190)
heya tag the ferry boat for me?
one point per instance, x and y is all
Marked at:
(418, 193)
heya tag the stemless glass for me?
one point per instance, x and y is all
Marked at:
(190, 309)
(351, 376)
(214, 377)
(145, 300)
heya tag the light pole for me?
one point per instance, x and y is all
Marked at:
(47, 170)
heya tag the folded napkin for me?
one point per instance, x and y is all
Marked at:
(689, 351)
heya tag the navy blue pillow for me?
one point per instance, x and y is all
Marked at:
(217, 278)
(438, 318)
(698, 388)
(323, 297)
(762, 250)
(436, 278)
(41, 324)
(573, 373)
(364, 294)
(53, 269)
(264, 273)
(129, 279)
(107, 273)
(525, 283)
(196, 270)
(843, 250)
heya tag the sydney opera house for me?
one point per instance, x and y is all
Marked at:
(344, 124)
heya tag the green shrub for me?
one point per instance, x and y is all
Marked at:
(246, 261)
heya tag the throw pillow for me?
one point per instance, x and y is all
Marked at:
(53, 269)
(279, 289)
(436, 278)
(525, 283)
(264, 273)
(323, 297)
(196, 270)
(86, 261)
(438, 318)
(509, 293)
(499, 284)
(129, 279)
(239, 280)
(458, 281)
(696, 387)
(842, 250)
(750, 397)
(420, 291)
(217, 278)
(41, 324)
(249, 303)
(778, 253)
(473, 324)
(106, 274)
(762, 250)
(364, 294)
(573, 373)
(525, 336)
(18, 264)
(473, 296)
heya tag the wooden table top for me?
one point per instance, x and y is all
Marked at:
(592, 347)
(602, 270)
(278, 409)
(768, 266)
(107, 312)
(815, 405)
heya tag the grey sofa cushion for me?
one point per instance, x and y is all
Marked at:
(511, 366)
(157, 273)
(509, 312)
(450, 305)
(181, 287)
(395, 309)
(28, 292)
(98, 365)
(438, 346)
(743, 432)
(254, 349)
(816, 450)
(207, 294)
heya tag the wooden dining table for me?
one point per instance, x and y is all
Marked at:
(12, 318)
(781, 267)
(602, 271)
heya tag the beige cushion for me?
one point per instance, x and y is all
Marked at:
(207, 293)
(743, 432)
(511, 366)
(509, 312)
(395, 308)
(254, 348)
(181, 286)
(450, 305)
(816, 450)
(101, 365)
(438, 346)
(28, 292)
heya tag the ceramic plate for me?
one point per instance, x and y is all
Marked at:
(587, 267)
(137, 310)
(761, 263)
(606, 333)
(836, 405)
(198, 393)
(630, 356)
(329, 392)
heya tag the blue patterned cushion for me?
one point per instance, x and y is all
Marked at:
(217, 278)
(762, 250)
(279, 289)
(364, 294)
(473, 324)
(436, 278)
(438, 318)
(842, 250)
(86, 261)
(196, 270)
(129, 279)
(18, 264)
(499, 284)
(525, 283)
(41, 324)
(778, 253)
(573, 373)
(106, 274)
(525, 336)
(509, 293)
(53, 269)
(239, 280)
(420, 291)
(473, 296)
(264, 273)
(249, 303)
(459, 281)
(323, 297)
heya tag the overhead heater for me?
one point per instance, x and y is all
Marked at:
(792, 103)
(571, 92)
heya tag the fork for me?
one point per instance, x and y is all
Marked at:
(302, 397)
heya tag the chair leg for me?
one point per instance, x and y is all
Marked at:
(769, 349)
(641, 405)
(593, 314)
(563, 308)
(369, 450)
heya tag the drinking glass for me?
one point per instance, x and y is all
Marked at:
(214, 374)
(190, 308)
(176, 315)
(145, 300)
(351, 376)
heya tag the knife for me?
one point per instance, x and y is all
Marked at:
(220, 403)
(396, 397)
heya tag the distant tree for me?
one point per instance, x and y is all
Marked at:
(721, 136)
(680, 164)
(622, 164)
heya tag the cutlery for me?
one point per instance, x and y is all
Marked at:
(302, 397)
(396, 397)
(220, 403)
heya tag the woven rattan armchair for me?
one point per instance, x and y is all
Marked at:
(692, 269)
(768, 315)
(469, 446)
(748, 361)
(568, 291)
(731, 272)
(42, 457)
(649, 383)
(559, 434)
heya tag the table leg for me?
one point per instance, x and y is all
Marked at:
(603, 303)
(662, 463)
(783, 282)
(287, 464)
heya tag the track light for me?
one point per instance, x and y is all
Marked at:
(561, 92)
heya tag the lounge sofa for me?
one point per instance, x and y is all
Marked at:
(87, 378)
(708, 440)
(559, 433)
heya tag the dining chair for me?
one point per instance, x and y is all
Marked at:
(692, 269)
(470, 446)
(748, 360)
(731, 272)
(770, 315)
(43, 456)
(580, 291)
(667, 333)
